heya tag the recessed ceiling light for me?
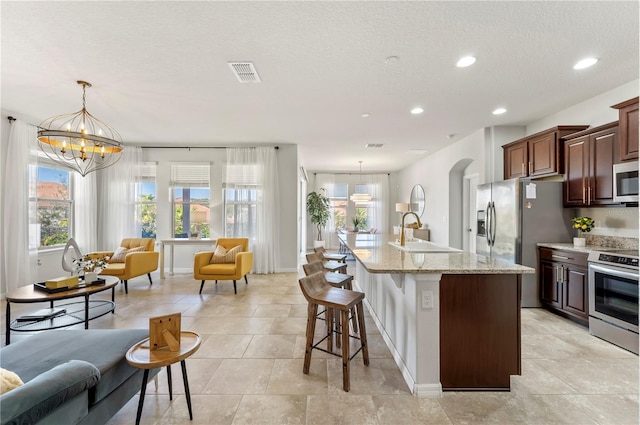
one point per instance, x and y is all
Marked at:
(392, 59)
(365, 115)
(499, 111)
(451, 136)
(466, 61)
(585, 63)
(417, 110)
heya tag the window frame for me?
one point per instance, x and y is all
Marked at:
(35, 200)
(147, 173)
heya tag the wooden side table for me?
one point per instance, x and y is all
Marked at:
(142, 357)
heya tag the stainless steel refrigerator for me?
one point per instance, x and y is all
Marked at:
(513, 216)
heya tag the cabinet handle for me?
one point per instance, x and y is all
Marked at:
(560, 256)
(562, 275)
(522, 168)
(530, 168)
(584, 201)
(557, 269)
(589, 195)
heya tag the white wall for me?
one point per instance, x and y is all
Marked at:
(432, 173)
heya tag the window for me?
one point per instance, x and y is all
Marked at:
(146, 198)
(240, 201)
(362, 209)
(50, 197)
(338, 204)
(191, 197)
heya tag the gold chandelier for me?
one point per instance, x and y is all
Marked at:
(360, 198)
(80, 141)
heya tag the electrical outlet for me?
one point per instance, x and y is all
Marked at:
(427, 299)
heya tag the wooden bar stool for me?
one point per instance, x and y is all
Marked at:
(337, 280)
(330, 266)
(318, 291)
(329, 256)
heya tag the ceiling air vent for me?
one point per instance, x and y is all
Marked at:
(373, 145)
(245, 72)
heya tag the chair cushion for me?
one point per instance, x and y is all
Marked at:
(226, 269)
(121, 252)
(114, 269)
(221, 255)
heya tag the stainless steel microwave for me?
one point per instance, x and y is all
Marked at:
(625, 182)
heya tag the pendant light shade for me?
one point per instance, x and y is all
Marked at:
(80, 141)
(360, 198)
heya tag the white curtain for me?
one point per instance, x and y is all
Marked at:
(326, 182)
(85, 211)
(378, 188)
(260, 173)
(19, 246)
(116, 200)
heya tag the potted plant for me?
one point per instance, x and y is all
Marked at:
(582, 225)
(318, 209)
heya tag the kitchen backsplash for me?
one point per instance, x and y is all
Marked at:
(619, 222)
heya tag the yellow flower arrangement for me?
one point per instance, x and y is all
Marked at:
(583, 224)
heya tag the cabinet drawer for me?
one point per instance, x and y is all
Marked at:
(569, 257)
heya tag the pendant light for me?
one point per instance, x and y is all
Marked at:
(360, 198)
(79, 140)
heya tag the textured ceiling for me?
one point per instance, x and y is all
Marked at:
(160, 75)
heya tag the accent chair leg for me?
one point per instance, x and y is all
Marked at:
(201, 286)
(245, 279)
(150, 281)
(126, 288)
(235, 290)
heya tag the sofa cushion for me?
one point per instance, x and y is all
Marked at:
(219, 269)
(104, 348)
(9, 380)
(43, 394)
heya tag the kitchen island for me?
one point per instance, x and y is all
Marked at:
(450, 318)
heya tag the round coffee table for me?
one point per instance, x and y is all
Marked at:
(141, 357)
(76, 312)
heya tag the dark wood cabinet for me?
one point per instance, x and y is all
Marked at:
(588, 165)
(538, 155)
(628, 140)
(563, 282)
(515, 160)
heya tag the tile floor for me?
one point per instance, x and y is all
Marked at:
(249, 367)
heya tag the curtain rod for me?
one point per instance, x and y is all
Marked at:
(348, 174)
(195, 147)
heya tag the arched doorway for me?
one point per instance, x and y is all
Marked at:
(458, 204)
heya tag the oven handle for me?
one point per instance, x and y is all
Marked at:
(614, 272)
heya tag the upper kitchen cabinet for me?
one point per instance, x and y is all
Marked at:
(538, 155)
(628, 134)
(588, 164)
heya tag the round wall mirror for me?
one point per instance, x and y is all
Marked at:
(416, 203)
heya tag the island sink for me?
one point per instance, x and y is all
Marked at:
(423, 246)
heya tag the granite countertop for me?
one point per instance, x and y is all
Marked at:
(377, 256)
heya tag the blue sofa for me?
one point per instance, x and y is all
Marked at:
(71, 376)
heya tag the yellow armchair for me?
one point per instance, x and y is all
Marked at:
(135, 263)
(203, 269)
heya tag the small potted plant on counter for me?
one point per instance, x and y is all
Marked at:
(582, 225)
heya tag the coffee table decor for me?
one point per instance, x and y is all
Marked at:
(42, 286)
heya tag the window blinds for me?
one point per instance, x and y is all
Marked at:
(191, 174)
(241, 174)
(147, 172)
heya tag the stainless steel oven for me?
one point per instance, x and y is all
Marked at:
(613, 297)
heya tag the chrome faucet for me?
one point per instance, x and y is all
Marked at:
(402, 225)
